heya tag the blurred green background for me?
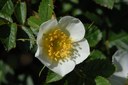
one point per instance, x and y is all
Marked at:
(106, 24)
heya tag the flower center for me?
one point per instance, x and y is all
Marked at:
(57, 45)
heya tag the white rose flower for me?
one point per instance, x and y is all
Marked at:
(61, 45)
(120, 77)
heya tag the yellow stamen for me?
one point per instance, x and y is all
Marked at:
(57, 45)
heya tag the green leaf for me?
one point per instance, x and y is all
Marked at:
(2, 22)
(10, 42)
(7, 7)
(4, 70)
(12, 37)
(101, 81)
(21, 77)
(30, 35)
(45, 10)
(5, 16)
(52, 77)
(75, 1)
(66, 82)
(106, 3)
(77, 12)
(119, 40)
(93, 17)
(96, 55)
(21, 12)
(96, 64)
(2, 2)
(66, 7)
(94, 35)
(29, 81)
(34, 22)
(6, 10)
(45, 13)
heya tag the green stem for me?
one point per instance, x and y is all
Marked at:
(41, 71)
(23, 40)
(90, 25)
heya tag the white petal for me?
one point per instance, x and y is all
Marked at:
(120, 59)
(74, 26)
(43, 29)
(42, 57)
(46, 26)
(82, 51)
(119, 74)
(62, 68)
(114, 80)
